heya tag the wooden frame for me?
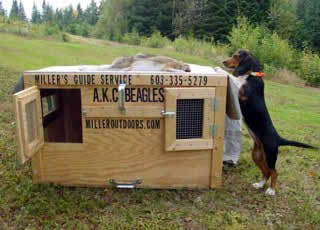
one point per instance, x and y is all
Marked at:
(114, 78)
(28, 122)
(217, 151)
(172, 95)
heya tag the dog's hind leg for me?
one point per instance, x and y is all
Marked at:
(272, 190)
(272, 155)
(258, 157)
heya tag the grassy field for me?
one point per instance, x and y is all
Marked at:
(23, 205)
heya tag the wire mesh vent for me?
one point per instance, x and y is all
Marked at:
(189, 118)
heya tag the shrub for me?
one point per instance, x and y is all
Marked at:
(132, 38)
(3, 19)
(51, 30)
(215, 52)
(155, 41)
(185, 45)
(65, 37)
(246, 36)
(71, 29)
(309, 68)
(268, 47)
(277, 52)
(83, 29)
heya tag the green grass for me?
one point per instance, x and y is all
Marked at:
(23, 205)
(22, 54)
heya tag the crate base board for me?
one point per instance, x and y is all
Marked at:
(149, 186)
(76, 165)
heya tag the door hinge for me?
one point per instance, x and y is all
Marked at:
(213, 130)
(215, 104)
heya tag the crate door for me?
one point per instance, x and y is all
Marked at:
(189, 118)
(28, 122)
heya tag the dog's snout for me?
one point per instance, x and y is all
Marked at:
(225, 63)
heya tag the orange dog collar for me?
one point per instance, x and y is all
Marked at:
(257, 74)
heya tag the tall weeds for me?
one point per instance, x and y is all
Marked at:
(30, 30)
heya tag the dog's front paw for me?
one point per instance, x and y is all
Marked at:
(270, 192)
(259, 184)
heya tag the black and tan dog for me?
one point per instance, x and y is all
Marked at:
(256, 116)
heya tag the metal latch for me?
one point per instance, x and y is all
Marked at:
(125, 184)
(121, 90)
(84, 112)
(168, 114)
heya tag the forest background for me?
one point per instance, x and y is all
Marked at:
(283, 34)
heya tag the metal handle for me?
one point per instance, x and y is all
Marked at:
(125, 184)
(121, 90)
(168, 114)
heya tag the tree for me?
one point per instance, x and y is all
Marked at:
(186, 15)
(49, 13)
(67, 16)
(216, 21)
(58, 17)
(35, 16)
(2, 10)
(142, 16)
(164, 21)
(113, 21)
(147, 16)
(14, 12)
(79, 13)
(308, 12)
(213, 19)
(256, 11)
(92, 13)
(21, 12)
(44, 11)
(283, 19)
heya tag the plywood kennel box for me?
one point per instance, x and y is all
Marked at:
(126, 129)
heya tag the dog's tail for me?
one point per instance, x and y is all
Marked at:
(284, 142)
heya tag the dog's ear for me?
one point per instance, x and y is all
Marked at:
(245, 63)
(248, 63)
(243, 54)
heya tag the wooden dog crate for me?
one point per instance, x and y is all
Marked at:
(126, 129)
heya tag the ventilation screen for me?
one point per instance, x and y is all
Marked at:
(189, 118)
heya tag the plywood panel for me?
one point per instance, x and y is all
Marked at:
(124, 155)
(145, 111)
(109, 96)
